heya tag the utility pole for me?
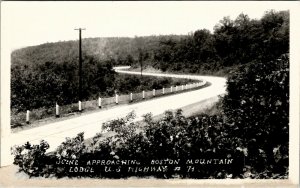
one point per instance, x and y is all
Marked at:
(80, 69)
(141, 68)
(141, 60)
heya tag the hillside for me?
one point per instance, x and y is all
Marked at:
(119, 50)
(51, 69)
(233, 42)
(250, 128)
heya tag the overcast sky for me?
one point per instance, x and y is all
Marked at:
(32, 23)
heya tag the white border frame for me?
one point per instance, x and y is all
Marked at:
(8, 180)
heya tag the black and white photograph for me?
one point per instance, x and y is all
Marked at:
(141, 93)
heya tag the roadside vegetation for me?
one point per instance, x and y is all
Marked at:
(234, 42)
(246, 127)
(42, 105)
(45, 87)
(45, 74)
(250, 124)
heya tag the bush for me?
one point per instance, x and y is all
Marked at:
(175, 136)
(126, 84)
(44, 84)
(47, 82)
(105, 85)
(257, 104)
(32, 158)
(254, 116)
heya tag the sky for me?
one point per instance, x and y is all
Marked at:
(32, 23)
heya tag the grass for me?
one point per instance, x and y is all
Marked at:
(224, 72)
(88, 108)
(208, 106)
(148, 69)
(124, 84)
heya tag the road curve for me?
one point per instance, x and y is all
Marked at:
(55, 133)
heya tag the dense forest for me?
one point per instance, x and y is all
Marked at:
(232, 42)
(52, 67)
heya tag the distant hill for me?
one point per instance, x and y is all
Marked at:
(53, 67)
(120, 50)
(233, 42)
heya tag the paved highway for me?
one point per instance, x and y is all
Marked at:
(90, 124)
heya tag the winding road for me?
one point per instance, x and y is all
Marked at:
(56, 132)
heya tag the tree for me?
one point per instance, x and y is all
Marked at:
(204, 45)
(276, 33)
(225, 41)
(257, 106)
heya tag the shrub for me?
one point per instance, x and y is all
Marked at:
(257, 104)
(32, 158)
(254, 115)
(174, 137)
(72, 148)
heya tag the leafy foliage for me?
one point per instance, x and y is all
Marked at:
(49, 71)
(126, 84)
(175, 136)
(72, 148)
(254, 115)
(253, 126)
(31, 158)
(233, 42)
(257, 104)
(44, 84)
